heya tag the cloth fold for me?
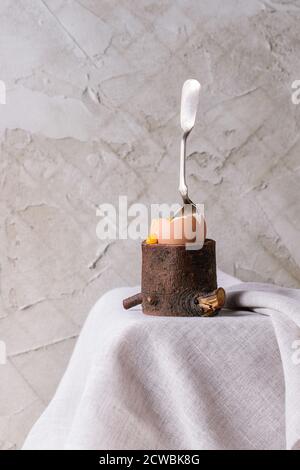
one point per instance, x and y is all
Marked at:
(283, 307)
(141, 382)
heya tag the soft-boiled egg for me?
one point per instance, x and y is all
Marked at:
(179, 230)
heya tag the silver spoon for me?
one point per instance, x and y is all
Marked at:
(189, 105)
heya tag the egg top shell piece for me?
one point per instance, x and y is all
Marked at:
(180, 230)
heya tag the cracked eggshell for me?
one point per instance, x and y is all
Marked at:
(180, 230)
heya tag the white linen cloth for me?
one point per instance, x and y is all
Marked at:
(142, 382)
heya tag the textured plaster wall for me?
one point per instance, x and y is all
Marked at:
(93, 91)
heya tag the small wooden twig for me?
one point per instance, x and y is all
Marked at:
(132, 301)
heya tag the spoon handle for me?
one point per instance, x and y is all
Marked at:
(188, 111)
(183, 189)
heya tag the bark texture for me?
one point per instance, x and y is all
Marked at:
(173, 278)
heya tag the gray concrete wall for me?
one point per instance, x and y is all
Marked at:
(92, 111)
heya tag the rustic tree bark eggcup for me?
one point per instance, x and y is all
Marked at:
(177, 281)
